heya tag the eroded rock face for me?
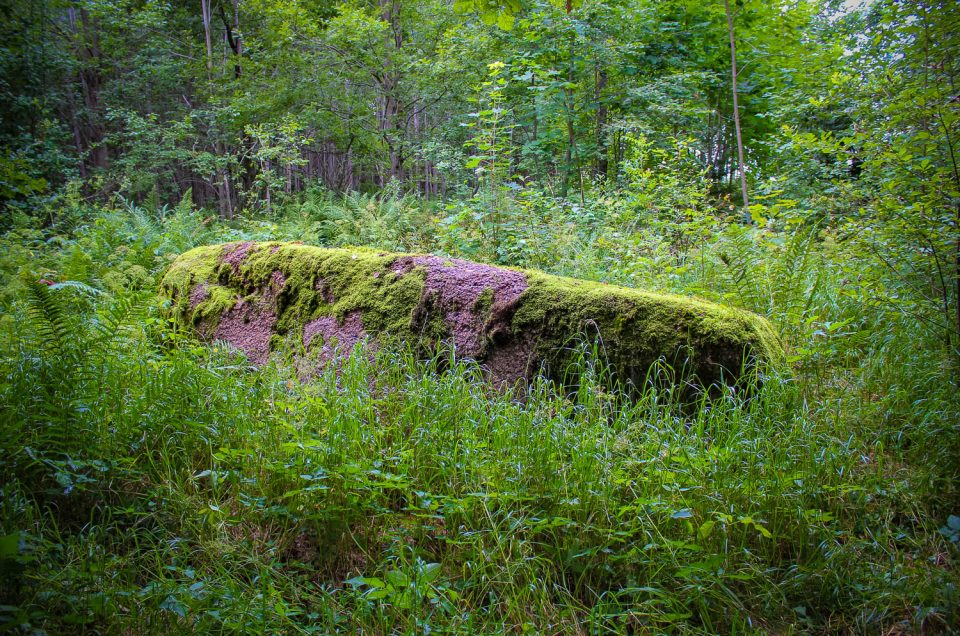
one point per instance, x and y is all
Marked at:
(258, 295)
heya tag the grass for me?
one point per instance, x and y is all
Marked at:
(154, 484)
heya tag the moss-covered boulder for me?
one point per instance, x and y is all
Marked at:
(514, 322)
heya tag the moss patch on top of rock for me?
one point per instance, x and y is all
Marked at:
(514, 322)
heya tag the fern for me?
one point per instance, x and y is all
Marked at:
(112, 324)
(71, 341)
(143, 226)
(779, 281)
(796, 277)
(50, 321)
(746, 272)
(385, 221)
(83, 288)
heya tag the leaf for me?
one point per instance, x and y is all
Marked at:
(766, 533)
(757, 211)
(356, 581)
(397, 578)
(685, 513)
(430, 572)
(171, 604)
(706, 528)
(360, 581)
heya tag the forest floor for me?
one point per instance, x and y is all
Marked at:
(155, 484)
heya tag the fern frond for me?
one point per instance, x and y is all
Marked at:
(115, 321)
(49, 319)
(83, 288)
(792, 272)
(746, 270)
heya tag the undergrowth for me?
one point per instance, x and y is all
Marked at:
(152, 483)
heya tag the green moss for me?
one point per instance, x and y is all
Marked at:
(484, 302)
(192, 268)
(635, 328)
(317, 282)
(322, 282)
(219, 300)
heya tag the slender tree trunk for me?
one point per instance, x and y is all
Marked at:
(238, 41)
(956, 298)
(601, 85)
(954, 332)
(231, 33)
(568, 102)
(389, 115)
(266, 190)
(234, 38)
(77, 137)
(736, 108)
(208, 39)
(221, 182)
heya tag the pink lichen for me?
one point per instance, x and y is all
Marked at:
(510, 362)
(199, 294)
(325, 292)
(456, 288)
(235, 254)
(338, 338)
(248, 327)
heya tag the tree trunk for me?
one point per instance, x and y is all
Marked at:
(89, 130)
(601, 85)
(221, 182)
(208, 39)
(736, 109)
(568, 102)
(389, 115)
(232, 34)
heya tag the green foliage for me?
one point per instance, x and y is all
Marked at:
(387, 220)
(499, 12)
(491, 161)
(153, 484)
(355, 95)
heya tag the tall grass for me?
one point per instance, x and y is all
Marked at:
(153, 484)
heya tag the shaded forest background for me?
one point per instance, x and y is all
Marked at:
(239, 103)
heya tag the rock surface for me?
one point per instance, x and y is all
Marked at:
(258, 296)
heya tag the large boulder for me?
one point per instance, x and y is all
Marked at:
(322, 302)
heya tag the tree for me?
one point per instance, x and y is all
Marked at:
(906, 138)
